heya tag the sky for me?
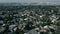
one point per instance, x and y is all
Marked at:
(30, 1)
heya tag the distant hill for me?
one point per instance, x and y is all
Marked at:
(10, 4)
(25, 4)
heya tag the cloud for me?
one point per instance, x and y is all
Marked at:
(30, 1)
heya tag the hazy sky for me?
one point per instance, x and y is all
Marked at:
(30, 1)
